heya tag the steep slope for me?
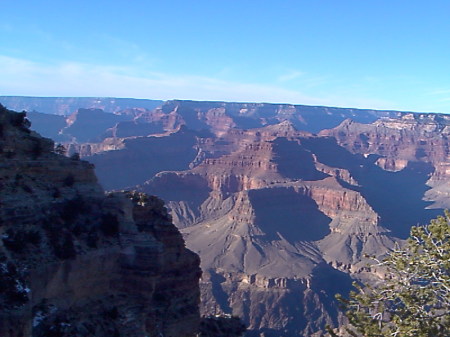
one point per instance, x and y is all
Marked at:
(48, 125)
(415, 140)
(275, 226)
(74, 262)
(85, 125)
(281, 218)
(273, 211)
(134, 160)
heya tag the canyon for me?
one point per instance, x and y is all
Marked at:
(283, 203)
(75, 261)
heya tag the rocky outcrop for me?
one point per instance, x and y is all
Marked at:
(413, 137)
(282, 217)
(399, 142)
(88, 119)
(221, 326)
(275, 219)
(74, 262)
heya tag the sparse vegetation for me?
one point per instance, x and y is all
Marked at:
(75, 156)
(154, 208)
(56, 193)
(10, 154)
(92, 239)
(64, 247)
(60, 240)
(18, 240)
(414, 297)
(27, 188)
(12, 286)
(19, 119)
(60, 149)
(222, 326)
(160, 298)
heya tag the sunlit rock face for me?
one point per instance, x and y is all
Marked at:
(278, 231)
(281, 217)
(74, 262)
(281, 202)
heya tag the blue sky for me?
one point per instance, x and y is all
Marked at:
(365, 53)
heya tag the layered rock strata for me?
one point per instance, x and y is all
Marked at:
(279, 226)
(277, 213)
(282, 218)
(399, 142)
(74, 262)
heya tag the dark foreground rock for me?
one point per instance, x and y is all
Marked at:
(74, 262)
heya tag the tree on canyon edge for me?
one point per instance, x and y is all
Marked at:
(414, 297)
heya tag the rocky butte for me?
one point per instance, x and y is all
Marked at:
(281, 202)
(77, 262)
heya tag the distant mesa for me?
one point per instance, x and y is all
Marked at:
(276, 199)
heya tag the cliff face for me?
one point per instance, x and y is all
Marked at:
(278, 224)
(93, 119)
(276, 214)
(74, 262)
(219, 117)
(281, 218)
(399, 142)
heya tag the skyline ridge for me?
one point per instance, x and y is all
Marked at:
(374, 55)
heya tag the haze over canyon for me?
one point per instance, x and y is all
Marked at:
(281, 202)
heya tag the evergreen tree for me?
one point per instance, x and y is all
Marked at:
(413, 299)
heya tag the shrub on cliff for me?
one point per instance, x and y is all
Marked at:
(414, 298)
(156, 212)
(222, 326)
(60, 149)
(19, 120)
(17, 240)
(13, 292)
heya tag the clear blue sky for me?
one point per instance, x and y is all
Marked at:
(391, 54)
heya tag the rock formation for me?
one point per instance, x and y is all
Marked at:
(85, 125)
(281, 211)
(101, 118)
(277, 214)
(219, 117)
(399, 142)
(277, 229)
(74, 262)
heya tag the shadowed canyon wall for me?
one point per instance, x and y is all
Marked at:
(281, 202)
(74, 262)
